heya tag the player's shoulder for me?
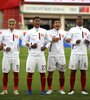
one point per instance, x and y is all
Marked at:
(73, 28)
(42, 29)
(62, 31)
(30, 31)
(50, 31)
(1, 31)
(5, 31)
(85, 29)
(18, 32)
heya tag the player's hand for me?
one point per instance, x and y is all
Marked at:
(86, 42)
(78, 41)
(1, 46)
(8, 49)
(55, 39)
(27, 45)
(43, 48)
(34, 46)
(68, 40)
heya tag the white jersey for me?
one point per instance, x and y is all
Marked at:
(57, 48)
(35, 36)
(89, 42)
(78, 33)
(11, 39)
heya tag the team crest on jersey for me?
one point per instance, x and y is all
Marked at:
(62, 36)
(85, 34)
(42, 34)
(16, 36)
(0, 32)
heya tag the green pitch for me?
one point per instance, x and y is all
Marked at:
(36, 82)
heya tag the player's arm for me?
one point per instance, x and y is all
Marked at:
(1, 46)
(1, 41)
(21, 36)
(45, 46)
(25, 41)
(87, 41)
(34, 46)
(70, 40)
(8, 49)
(55, 39)
(30, 45)
(47, 40)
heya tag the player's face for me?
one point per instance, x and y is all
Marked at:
(57, 25)
(11, 25)
(79, 21)
(37, 23)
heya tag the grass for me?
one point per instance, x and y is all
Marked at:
(36, 82)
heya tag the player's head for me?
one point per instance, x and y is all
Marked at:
(11, 24)
(79, 20)
(57, 24)
(36, 21)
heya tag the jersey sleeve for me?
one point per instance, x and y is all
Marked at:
(1, 37)
(25, 38)
(89, 41)
(48, 39)
(70, 35)
(21, 35)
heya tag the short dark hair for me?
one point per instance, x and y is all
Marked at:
(56, 20)
(36, 17)
(79, 16)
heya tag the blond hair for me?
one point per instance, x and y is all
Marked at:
(12, 20)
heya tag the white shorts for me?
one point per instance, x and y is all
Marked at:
(7, 63)
(89, 47)
(78, 62)
(56, 63)
(36, 61)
